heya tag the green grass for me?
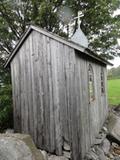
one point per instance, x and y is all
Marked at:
(114, 91)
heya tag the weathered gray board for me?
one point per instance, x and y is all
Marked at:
(50, 95)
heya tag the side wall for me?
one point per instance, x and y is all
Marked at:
(50, 96)
(92, 115)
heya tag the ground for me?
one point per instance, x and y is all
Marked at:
(114, 92)
(107, 142)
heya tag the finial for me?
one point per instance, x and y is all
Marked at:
(79, 37)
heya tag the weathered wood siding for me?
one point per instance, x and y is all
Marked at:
(50, 95)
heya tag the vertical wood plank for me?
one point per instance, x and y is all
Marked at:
(54, 61)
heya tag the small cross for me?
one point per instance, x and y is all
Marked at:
(80, 14)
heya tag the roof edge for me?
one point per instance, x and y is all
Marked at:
(98, 57)
(87, 51)
(20, 42)
(45, 32)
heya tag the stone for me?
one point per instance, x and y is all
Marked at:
(100, 154)
(110, 156)
(91, 156)
(18, 147)
(117, 108)
(44, 153)
(99, 139)
(115, 145)
(9, 131)
(105, 129)
(117, 158)
(106, 146)
(67, 154)
(54, 157)
(101, 136)
(115, 148)
(114, 127)
(66, 146)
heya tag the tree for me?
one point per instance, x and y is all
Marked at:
(101, 28)
(6, 116)
(114, 73)
(15, 18)
(99, 24)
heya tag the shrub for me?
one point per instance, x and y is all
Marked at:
(6, 110)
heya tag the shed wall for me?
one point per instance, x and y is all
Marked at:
(50, 95)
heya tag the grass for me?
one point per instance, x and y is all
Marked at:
(114, 91)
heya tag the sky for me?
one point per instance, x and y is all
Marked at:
(115, 62)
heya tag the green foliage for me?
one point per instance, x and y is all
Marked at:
(6, 118)
(98, 24)
(6, 111)
(114, 91)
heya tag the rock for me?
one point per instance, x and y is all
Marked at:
(9, 131)
(66, 146)
(117, 158)
(105, 129)
(98, 141)
(115, 145)
(117, 109)
(100, 138)
(110, 156)
(53, 157)
(44, 153)
(91, 156)
(115, 149)
(114, 127)
(100, 154)
(67, 154)
(106, 146)
(18, 147)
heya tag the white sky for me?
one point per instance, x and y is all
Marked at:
(115, 62)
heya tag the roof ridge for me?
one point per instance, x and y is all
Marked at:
(57, 38)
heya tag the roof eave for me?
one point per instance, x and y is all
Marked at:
(97, 57)
(22, 39)
(73, 45)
